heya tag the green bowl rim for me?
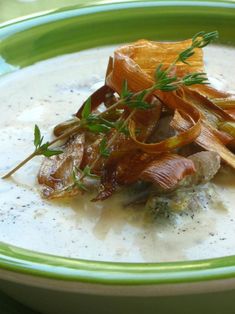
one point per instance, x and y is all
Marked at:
(111, 273)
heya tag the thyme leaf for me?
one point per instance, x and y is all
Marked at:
(121, 127)
(103, 148)
(87, 172)
(77, 182)
(195, 78)
(40, 148)
(98, 128)
(37, 136)
(163, 80)
(125, 93)
(86, 109)
(138, 104)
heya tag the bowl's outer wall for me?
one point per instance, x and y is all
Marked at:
(47, 301)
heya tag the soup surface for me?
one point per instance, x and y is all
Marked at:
(48, 93)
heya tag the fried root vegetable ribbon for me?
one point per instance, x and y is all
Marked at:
(164, 170)
(194, 107)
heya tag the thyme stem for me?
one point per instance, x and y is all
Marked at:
(37, 152)
(21, 164)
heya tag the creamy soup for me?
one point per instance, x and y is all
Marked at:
(48, 93)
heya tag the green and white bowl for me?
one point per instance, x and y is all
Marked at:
(53, 284)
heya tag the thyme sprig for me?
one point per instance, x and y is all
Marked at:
(199, 40)
(40, 149)
(97, 123)
(43, 149)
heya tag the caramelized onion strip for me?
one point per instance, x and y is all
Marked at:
(97, 98)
